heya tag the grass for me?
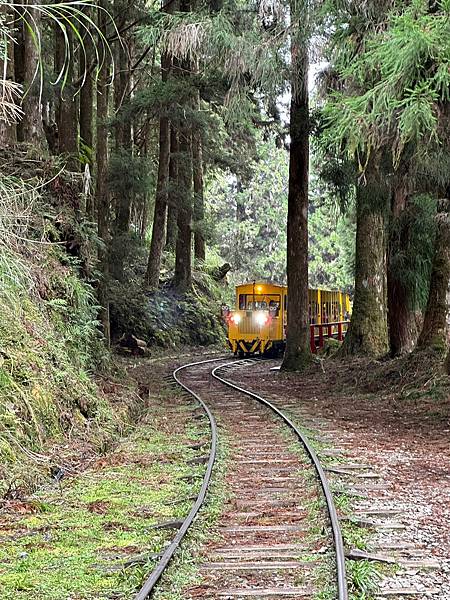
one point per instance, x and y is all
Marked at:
(92, 536)
(183, 572)
(364, 577)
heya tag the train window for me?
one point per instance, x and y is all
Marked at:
(258, 301)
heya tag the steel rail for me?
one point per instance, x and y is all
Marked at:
(154, 576)
(337, 534)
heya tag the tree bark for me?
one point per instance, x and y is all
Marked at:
(123, 145)
(19, 67)
(160, 214)
(199, 202)
(8, 130)
(67, 118)
(172, 210)
(123, 136)
(86, 115)
(401, 315)
(434, 332)
(368, 330)
(102, 194)
(183, 250)
(298, 353)
(32, 124)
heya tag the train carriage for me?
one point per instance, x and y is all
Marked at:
(257, 325)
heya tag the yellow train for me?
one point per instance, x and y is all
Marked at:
(257, 325)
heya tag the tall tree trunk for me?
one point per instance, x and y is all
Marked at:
(368, 331)
(401, 315)
(434, 332)
(102, 195)
(172, 204)
(123, 136)
(67, 118)
(183, 250)
(19, 66)
(160, 214)
(298, 353)
(8, 131)
(86, 114)
(199, 202)
(123, 144)
(239, 240)
(32, 124)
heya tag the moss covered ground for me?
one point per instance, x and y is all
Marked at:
(94, 534)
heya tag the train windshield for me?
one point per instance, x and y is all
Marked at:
(270, 302)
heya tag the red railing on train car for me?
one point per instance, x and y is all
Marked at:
(321, 332)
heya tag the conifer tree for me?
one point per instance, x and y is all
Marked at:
(298, 352)
(8, 91)
(66, 111)
(32, 126)
(172, 211)
(391, 112)
(160, 213)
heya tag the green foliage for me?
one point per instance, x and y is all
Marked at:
(165, 319)
(101, 519)
(129, 175)
(331, 240)
(394, 84)
(71, 19)
(249, 224)
(49, 341)
(364, 577)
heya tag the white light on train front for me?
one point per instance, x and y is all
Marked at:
(236, 319)
(261, 318)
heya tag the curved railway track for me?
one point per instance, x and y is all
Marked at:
(252, 553)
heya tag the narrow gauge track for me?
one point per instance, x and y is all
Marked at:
(257, 556)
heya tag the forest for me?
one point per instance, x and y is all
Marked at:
(172, 124)
(156, 154)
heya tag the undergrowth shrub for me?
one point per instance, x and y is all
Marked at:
(49, 341)
(162, 318)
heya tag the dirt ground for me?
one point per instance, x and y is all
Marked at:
(393, 416)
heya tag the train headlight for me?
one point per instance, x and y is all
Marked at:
(237, 319)
(261, 318)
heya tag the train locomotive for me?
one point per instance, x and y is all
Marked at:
(257, 324)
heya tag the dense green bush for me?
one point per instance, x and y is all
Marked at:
(163, 318)
(49, 339)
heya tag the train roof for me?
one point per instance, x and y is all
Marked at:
(280, 285)
(260, 282)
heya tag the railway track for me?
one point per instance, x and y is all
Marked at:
(264, 524)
